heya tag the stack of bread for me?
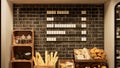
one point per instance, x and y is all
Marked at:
(82, 54)
(50, 59)
(97, 53)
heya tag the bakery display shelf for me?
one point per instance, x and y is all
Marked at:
(22, 49)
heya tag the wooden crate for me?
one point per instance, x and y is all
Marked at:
(17, 37)
(22, 65)
(64, 62)
(18, 52)
(37, 66)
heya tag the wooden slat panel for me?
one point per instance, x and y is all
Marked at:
(59, 1)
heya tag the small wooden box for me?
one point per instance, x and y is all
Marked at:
(64, 62)
(18, 52)
(21, 64)
(37, 66)
(23, 37)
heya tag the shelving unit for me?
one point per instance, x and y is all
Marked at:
(117, 35)
(22, 49)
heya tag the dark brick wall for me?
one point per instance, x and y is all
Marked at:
(86, 18)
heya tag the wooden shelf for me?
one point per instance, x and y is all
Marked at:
(92, 60)
(24, 45)
(22, 60)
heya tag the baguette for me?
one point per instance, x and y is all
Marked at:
(39, 59)
(51, 58)
(51, 55)
(55, 60)
(34, 59)
(55, 54)
(46, 58)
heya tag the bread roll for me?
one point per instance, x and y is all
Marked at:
(97, 53)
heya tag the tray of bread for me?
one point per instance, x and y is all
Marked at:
(89, 54)
(82, 54)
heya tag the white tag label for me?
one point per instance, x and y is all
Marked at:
(83, 12)
(84, 32)
(83, 39)
(83, 25)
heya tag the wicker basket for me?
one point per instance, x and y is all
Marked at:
(37, 66)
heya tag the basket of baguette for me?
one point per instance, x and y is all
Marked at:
(89, 54)
(49, 62)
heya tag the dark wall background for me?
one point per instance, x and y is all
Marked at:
(28, 16)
